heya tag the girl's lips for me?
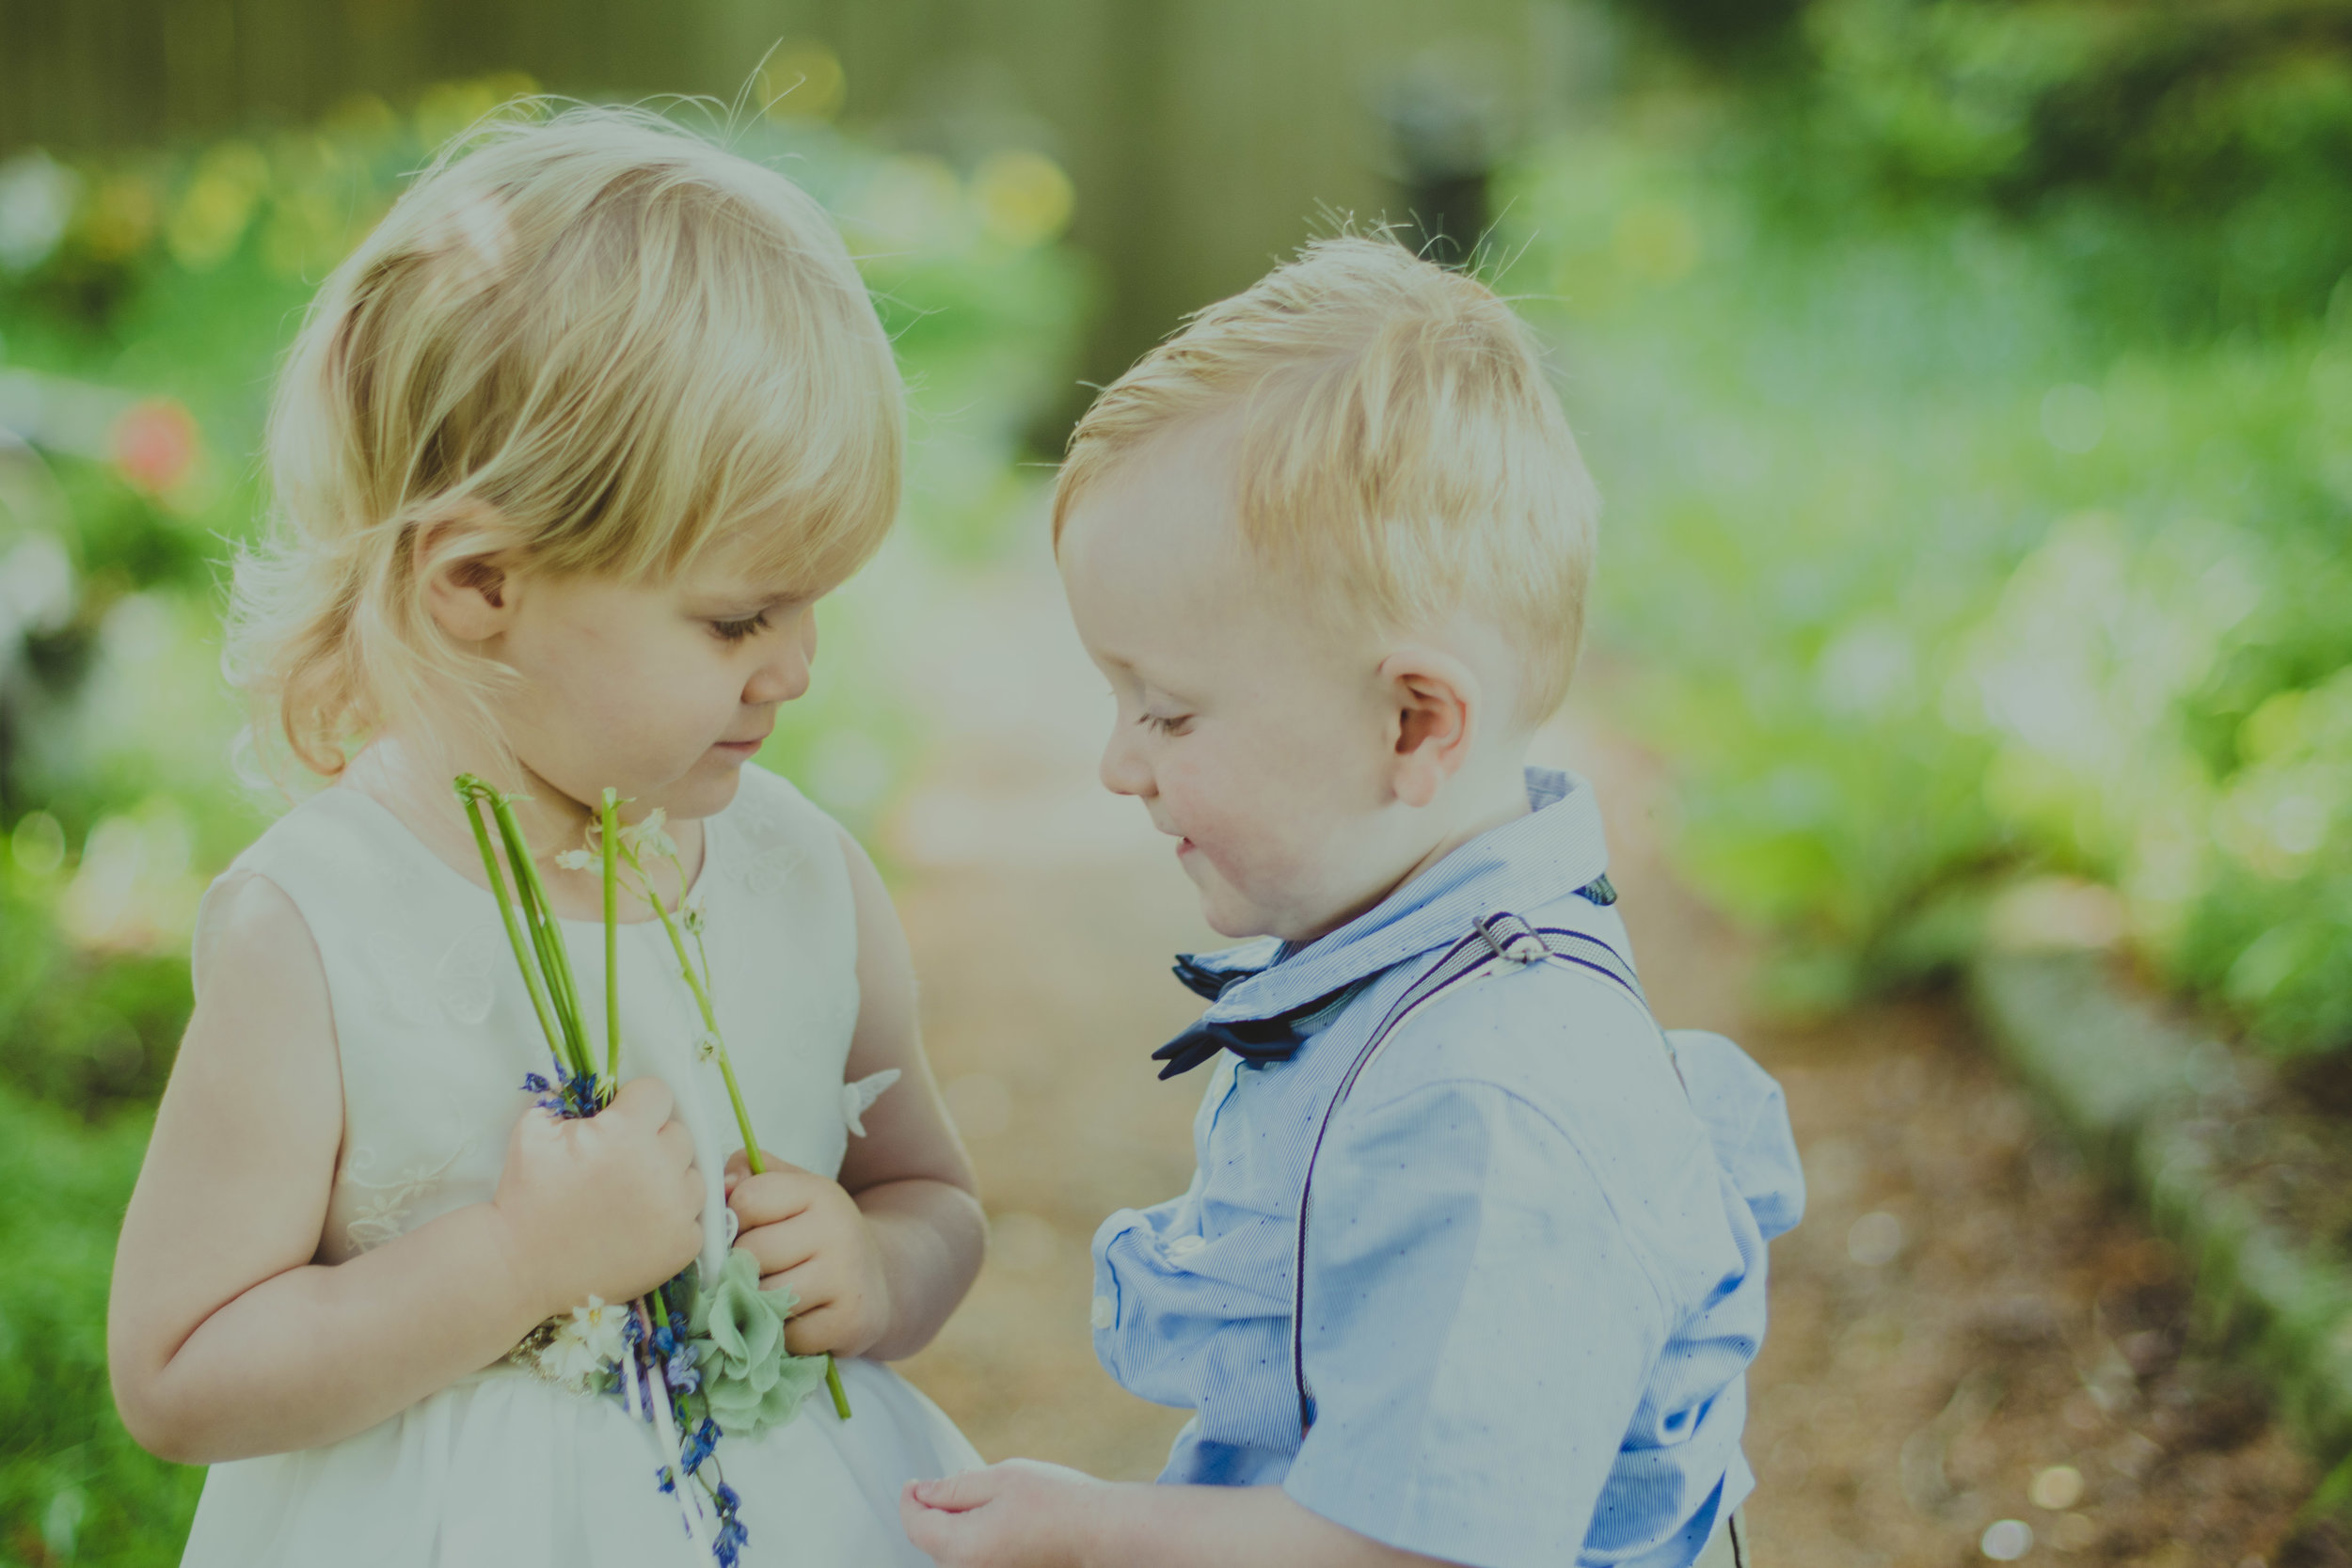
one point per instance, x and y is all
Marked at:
(740, 747)
(1184, 847)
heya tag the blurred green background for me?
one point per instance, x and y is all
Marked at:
(1970, 380)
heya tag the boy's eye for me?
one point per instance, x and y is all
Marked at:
(735, 632)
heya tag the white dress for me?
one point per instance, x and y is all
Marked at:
(435, 1034)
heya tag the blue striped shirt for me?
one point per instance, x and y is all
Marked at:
(1536, 1264)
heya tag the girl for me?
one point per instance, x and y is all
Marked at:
(565, 456)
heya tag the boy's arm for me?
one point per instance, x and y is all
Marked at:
(1024, 1514)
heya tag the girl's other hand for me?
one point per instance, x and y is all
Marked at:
(810, 1236)
(1021, 1514)
(606, 1204)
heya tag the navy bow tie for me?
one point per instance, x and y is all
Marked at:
(1253, 1039)
(1266, 1039)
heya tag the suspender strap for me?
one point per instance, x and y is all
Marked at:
(1500, 941)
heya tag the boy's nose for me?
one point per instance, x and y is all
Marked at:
(1123, 772)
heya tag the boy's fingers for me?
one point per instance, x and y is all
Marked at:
(956, 1494)
(930, 1529)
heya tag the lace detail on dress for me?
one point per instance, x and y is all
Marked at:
(467, 976)
(768, 859)
(383, 1207)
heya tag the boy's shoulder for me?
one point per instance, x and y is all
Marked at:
(1574, 1045)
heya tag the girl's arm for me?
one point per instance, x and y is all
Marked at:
(881, 1257)
(1024, 1515)
(224, 1338)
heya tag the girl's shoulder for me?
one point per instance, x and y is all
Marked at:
(337, 840)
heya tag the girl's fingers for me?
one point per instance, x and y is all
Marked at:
(778, 1249)
(775, 1196)
(809, 1333)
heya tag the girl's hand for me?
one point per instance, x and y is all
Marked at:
(606, 1205)
(809, 1234)
(1021, 1514)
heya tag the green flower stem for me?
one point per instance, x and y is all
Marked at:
(711, 1023)
(833, 1387)
(611, 823)
(473, 794)
(554, 957)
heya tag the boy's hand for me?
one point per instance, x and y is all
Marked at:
(809, 1234)
(1021, 1514)
(606, 1204)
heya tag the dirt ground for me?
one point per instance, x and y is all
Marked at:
(1975, 1350)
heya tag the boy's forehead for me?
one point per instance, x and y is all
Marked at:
(1161, 520)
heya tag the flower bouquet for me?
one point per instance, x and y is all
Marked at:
(696, 1358)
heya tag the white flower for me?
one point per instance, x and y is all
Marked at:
(576, 860)
(650, 836)
(858, 1097)
(707, 1047)
(585, 1344)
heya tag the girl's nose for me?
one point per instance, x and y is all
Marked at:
(783, 675)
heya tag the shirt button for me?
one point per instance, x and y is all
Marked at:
(1181, 1248)
(1106, 1312)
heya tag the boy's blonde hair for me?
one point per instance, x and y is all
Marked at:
(1403, 456)
(586, 343)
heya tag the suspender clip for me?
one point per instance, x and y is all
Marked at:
(1511, 939)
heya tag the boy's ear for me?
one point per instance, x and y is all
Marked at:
(1434, 710)
(460, 569)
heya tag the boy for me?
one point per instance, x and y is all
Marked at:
(1474, 1264)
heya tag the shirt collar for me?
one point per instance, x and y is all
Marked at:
(1528, 861)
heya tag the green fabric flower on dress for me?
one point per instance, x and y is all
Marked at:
(752, 1382)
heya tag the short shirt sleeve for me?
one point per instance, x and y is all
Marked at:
(1478, 1330)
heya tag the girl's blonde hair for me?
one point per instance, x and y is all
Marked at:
(1403, 457)
(585, 344)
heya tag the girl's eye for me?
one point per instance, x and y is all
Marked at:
(735, 632)
(1169, 726)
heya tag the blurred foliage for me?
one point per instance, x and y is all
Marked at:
(144, 301)
(73, 1487)
(1974, 408)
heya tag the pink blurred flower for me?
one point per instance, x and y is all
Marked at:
(155, 444)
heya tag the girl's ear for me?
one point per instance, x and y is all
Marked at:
(1434, 709)
(459, 568)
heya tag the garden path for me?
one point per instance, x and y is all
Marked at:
(1966, 1329)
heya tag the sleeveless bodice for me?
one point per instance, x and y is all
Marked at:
(435, 1033)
